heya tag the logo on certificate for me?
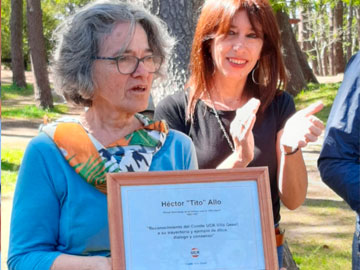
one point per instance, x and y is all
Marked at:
(195, 252)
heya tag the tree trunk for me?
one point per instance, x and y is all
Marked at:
(295, 61)
(314, 60)
(17, 57)
(288, 261)
(42, 89)
(319, 59)
(181, 21)
(303, 30)
(294, 15)
(324, 45)
(330, 41)
(357, 10)
(349, 33)
(338, 30)
(311, 43)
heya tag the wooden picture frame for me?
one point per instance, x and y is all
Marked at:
(138, 182)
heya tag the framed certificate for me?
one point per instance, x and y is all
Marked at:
(199, 220)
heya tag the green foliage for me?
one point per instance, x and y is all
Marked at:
(14, 108)
(11, 91)
(10, 163)
(315, 92)
(6, 34)
(53, 11)
(278, 5)
(353, 2)
(32, 112)
(5, 29)
(319, 255)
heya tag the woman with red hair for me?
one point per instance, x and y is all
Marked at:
(234, 108)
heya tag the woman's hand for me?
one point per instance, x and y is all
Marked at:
(66, 262)
(241, 131)
(302, 127)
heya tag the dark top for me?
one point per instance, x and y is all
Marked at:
(339, 161)
(211, 145)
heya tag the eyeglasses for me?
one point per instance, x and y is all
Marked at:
(127, 64)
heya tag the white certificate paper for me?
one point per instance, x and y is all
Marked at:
(192, 226)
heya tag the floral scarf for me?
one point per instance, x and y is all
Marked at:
(91, 160)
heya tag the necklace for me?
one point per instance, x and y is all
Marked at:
(220, 123)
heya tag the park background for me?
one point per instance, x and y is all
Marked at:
(318, 39)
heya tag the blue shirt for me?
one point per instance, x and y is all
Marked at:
(55, 211)
(339, 161)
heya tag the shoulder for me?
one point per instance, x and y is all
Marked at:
(284, 103)
(280, 109)
(177, 153)
(178, 142)
(41, 142)
(353, 64)
(42, 149)
(180, 138)
(283, 98)
(176, 100)
(173, 110)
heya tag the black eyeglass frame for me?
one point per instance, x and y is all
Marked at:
(138, 60)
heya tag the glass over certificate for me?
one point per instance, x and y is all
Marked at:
(196, 224)
(192, 226)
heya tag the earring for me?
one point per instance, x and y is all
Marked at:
(253, 71)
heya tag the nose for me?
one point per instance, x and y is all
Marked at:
(140, 70)
(238, 44)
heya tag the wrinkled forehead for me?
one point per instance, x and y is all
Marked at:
(118, 39)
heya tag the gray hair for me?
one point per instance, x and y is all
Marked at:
(79, 38)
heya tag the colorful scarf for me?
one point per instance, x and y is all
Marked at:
(91, 160)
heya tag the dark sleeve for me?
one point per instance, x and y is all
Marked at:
(286, 108)
(172, 109)
(339, 161)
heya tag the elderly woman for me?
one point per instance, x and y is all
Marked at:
(107, 56)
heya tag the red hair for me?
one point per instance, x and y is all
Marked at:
(215, 20)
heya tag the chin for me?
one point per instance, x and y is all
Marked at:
(140, 108)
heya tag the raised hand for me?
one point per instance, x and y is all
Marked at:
(303, 127)
(241, 131)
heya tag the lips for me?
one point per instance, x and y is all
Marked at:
(138, 88)
(237, 61)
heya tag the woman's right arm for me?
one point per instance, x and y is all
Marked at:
(35, 213)
(37, 207)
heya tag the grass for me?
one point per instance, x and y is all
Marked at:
(10, 163)
(315, 254)
(32, 112)
(320, 234)
(11, 92)
(13, 108)
(324, 92)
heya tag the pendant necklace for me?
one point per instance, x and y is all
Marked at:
(220, 123)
